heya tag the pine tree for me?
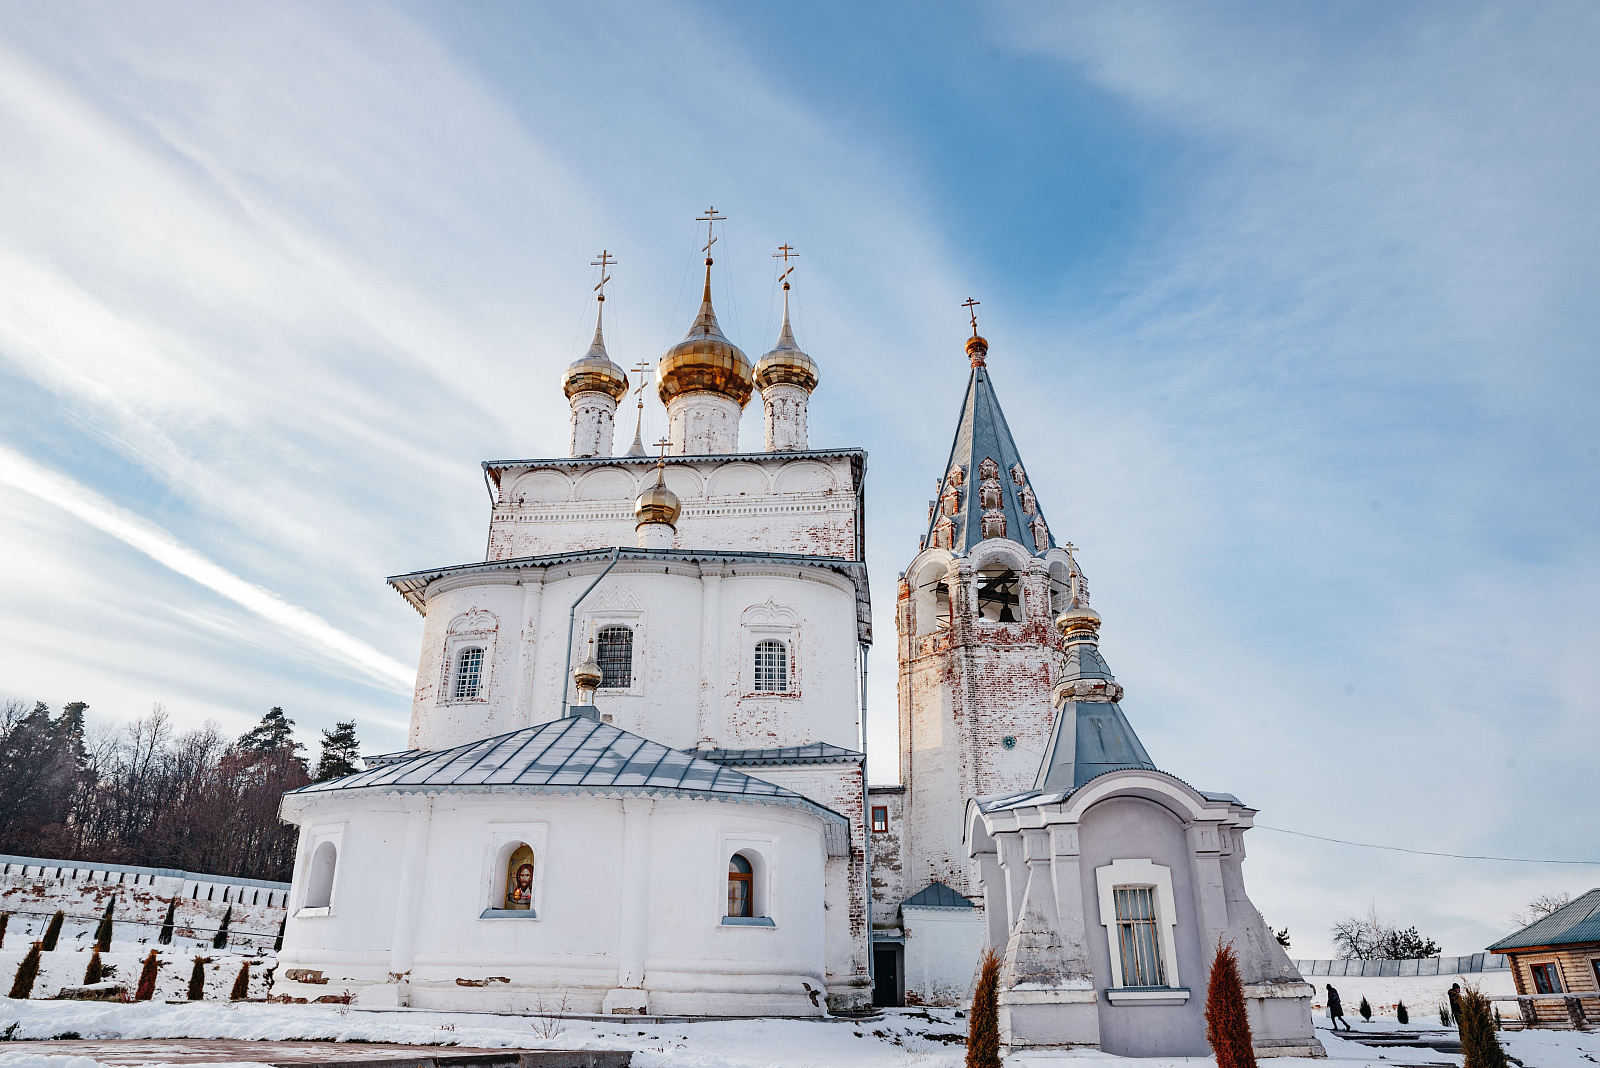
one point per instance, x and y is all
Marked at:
(102, 934)
(147, 978)
(277, 943)
(1479, 1044)
(5, 920)
(1400, 1013)
(273, 735)
(983, 1021)
(1227, 1025)
(340, 752)
(27, 972)
(165, 938)
(1365, 1009)
(95, 971)
(52, 932)
(197, 979)
(220, 941)
(241, 985)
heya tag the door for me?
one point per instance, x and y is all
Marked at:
(885, 977)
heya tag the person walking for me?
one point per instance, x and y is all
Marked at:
(1455, 1003)
(1336, 1009)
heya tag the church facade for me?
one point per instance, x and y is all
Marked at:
(635, 779)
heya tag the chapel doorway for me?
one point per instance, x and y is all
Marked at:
(886, 988)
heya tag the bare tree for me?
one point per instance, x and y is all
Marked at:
(1540, 907)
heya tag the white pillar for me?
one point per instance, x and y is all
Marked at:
(593, 421)
(532, 583)
(710, 657)
(702, 424)
(633, 925)
(784, 406)
(408, 905)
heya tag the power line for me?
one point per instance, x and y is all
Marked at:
(1421, 852)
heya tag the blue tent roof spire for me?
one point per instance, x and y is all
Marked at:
(984, 491)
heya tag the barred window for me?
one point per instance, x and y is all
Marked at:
(1137, 936)
(616, 657)
(772, 667)
(469, 673)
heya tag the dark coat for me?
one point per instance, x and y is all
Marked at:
(1335, 1008)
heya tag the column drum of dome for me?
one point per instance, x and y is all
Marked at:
(593, 385)
(786, 376)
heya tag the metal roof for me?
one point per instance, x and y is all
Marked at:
(579, 755)
(493, 467)
(1577, 922)
(1027, 798)
(815, 753)
(982, 433)
(936, 895)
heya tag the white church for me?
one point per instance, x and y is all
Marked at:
(635, 778)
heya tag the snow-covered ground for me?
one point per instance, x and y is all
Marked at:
(31, 901)
(1421, 993)
(64, 967)
(902, 1038)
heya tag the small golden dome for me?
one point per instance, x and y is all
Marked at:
(594, 372)
(587, 676)
(786, 363)
(657, 504)
(977, 349)
(1078, 621)
(705, 361)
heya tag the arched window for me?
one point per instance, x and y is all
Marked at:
(519, 879)
(469, 673)
(615, 647)
(999, 595)
(772, 667)
(741, 887)
(319, 877)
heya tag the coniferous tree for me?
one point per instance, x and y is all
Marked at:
(102, 934)
(197, 979)
(340, 753)
(27, 972)
(1227, 1025)
(165, 938)
(95, 971)
(1400, 1013)
(220, 940)
(1479, 1044)
(274, 734)
(983, 1021)
(147, 978)
(241, 985)
(277, 943)
(5, 920)
(1365, 1009)
(52, 931)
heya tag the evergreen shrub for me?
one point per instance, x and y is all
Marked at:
(1227, 1024)
(5, 920)
(27, 972)
(197, 979)
(983, 1024)
(1400, 1013)
(102, 934)
(1365, 1009)
(95, 971)
(52, 931)
(221, 939)
(165, 938)
(1479, 1044)
(241, 985)
(147, 978)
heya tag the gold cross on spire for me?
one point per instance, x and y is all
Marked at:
(786, 253)
(710, 218)
(606, 259)
(972, 308)
(662, 445)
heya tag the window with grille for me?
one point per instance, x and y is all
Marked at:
(469, 673)
(740, 878)
(772, 667)
(616, 657)
(1138, 938)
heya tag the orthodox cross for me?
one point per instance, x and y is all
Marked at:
(606, 259)
(972, 308)
(710, 218)
(786, 253)
(662, 444)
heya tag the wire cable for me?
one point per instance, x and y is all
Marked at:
(1421, 852)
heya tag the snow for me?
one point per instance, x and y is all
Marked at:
(1421, 993)
(31, 900)
(64, 967)
(903, 1038)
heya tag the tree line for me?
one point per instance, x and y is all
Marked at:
(146, 794)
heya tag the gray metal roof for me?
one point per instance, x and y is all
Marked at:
(1577, 922)
(579, 755)
(982, 433)
(936, 895)
(1027, 798)
(600, 461)
(815, 753)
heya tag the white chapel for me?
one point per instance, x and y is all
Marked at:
(635, 776)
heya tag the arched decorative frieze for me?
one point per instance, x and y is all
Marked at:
(467, 663)
(681, 479)
(770, 614)
(606, 484)
(803, 476)
(738, 479)
(541, 486)
(473, 621)
(770, 651)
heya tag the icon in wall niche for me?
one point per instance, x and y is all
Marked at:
(519, 879)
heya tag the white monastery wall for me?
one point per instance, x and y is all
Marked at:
(941, 946)
(597, 909)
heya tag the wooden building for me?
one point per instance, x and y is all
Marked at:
(1559, 954)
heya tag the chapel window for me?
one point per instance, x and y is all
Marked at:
(615, 653)
(999, 596)
(519, 879)
(319, 879)
(772, 667)
(741, 882)
(880, 819)
(1137, 938)
(1546, 979)
(469, 673)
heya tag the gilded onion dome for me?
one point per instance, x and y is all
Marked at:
(786, 363)
(594, 372)
(657, 503)
(587, 676)
(705, 361)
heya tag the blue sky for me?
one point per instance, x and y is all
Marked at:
(1291, 308)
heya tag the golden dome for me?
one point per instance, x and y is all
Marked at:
(587, 676)
(977, 349)
(657, 504)
(786, 363)
(705, 361)
(594, 372)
